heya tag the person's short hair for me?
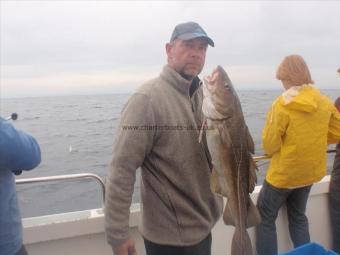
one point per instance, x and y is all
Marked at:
(337, 102)
(190, 30)
(294, 69)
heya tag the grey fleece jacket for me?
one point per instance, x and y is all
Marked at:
(158, 132)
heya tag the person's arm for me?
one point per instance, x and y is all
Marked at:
(18, 150)
(274, 129)
(133, 143)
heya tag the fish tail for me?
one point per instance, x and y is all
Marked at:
(241, 244)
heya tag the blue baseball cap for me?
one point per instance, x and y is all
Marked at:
(188, 31)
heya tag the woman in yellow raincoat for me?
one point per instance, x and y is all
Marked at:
(299, 126)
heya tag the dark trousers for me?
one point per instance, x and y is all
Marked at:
(335, 219)
(334, 200)
(269, 202)
(202, 248)
(22, 251)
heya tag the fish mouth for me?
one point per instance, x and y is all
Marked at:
(209, 79)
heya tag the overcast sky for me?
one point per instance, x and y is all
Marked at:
(96, 47)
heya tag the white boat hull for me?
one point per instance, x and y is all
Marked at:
(81, 233)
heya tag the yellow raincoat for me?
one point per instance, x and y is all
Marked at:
(298, 128)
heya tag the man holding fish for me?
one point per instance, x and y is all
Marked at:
(178, 208)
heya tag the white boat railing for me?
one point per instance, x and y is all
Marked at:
(83, 232)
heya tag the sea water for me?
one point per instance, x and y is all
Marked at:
(76, 135)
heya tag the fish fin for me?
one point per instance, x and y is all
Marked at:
(201, 130)
(252, 174)
(250, 141)
(214, 183)
(227, 216)
(224, 134)
(253, 215)
(241, 244)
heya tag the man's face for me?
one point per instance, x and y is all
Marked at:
(187, 57)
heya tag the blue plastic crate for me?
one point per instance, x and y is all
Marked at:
(310, 249)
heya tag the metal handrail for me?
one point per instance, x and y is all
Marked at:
(64, 177)
(96, 177)
(258, 158)
(264, 157)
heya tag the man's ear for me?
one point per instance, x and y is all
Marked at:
(168, 48)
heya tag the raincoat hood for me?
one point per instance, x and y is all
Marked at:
(301, 98)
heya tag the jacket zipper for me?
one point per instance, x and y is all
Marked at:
(193, 94)
(192, 106)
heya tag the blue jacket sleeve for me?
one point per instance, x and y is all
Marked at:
(18, 150)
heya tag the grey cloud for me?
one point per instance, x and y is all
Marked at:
(40, 38)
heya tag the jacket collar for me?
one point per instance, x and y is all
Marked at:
(178, 82)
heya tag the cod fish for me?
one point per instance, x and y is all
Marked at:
(230, 145)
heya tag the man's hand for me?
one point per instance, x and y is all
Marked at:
(126, 248)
